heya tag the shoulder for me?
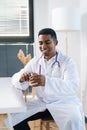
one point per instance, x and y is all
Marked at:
(64, 59)
(36, 58)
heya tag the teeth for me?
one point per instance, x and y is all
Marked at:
(44, 50)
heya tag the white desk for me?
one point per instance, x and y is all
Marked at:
(10, 99)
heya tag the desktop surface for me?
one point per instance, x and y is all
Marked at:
(10, 99)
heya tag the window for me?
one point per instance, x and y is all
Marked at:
(16, 21)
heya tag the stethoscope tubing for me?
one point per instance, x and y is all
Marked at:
(56, 61)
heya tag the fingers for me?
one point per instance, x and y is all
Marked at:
(34, 84)
(37, 80)
(33, 78)
(24, 77)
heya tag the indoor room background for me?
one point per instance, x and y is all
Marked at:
(77, 41)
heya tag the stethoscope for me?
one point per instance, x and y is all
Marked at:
(55, 62)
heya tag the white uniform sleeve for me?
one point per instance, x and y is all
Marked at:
(16, 76)
(17, 84)
(68, 85)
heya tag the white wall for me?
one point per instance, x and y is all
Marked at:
(40, 19)
(77, 41)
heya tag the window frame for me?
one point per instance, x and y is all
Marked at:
(26, 39)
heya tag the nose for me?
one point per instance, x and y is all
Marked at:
(44, 45)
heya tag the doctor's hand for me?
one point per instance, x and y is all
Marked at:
(24, 77)
(36, 80)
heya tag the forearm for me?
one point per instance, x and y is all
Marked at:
(16, 83)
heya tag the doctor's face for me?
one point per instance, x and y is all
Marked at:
(47, 46)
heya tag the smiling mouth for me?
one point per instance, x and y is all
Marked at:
(44, 51)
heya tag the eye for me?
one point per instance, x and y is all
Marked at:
(45, 42)
(48, 42)
(40, 43)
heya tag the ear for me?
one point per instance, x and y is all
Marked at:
(56, 42)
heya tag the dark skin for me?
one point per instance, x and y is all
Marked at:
(47, 46)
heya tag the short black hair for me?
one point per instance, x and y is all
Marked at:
(48, 31)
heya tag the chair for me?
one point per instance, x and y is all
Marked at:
(48, 124)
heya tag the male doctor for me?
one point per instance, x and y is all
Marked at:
(56, 83)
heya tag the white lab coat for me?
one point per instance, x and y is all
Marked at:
(59, 95)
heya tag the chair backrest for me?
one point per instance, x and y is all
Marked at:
(24, 59)
(26, 94)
